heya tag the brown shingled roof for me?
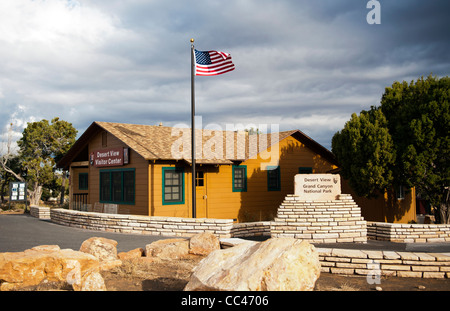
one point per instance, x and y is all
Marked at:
(162, 143)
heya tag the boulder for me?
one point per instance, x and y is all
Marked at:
(52, 265)
(102, 248)
(278, 264)
(203, 244)
(168, 249)
(90, 282)
(133, 254)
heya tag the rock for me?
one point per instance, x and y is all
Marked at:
(91, 282)
(49, 264)
(278, 264)
(168, 249)
(50, 248)
(133, 254)
(102, 248)
(203, 244)
(109, 264)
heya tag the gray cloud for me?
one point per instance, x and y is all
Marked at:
(302, 64)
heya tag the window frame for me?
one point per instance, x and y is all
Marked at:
(85, 178)
(274, 168)
(182, 199)
(199, 179)
(110, 172)
(244, 168)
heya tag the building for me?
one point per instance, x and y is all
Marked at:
(146, 170)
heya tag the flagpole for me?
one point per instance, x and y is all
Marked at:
(194, 210)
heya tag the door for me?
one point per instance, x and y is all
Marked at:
(200, 193)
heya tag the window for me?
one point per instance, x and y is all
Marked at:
(117, 186)
(239, 178)
(83, 181)
(273, 178)
(173, 185)
(199, 178)
(305, 170)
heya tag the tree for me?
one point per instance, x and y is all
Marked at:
(11, 163)
(41, 145)
(365, 151)
(8, 159)
(10, 166)
(404, 142)
(419, 122)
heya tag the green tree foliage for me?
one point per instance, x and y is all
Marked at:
(404, 142)
(42, 144)
(366, 152)
(419, 122)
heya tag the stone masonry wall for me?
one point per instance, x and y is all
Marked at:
(251, 229)
(40, 212)
(154, 225)
(328, 221)
(384, 263)
(409, 233)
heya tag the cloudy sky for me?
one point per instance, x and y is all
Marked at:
(301, 64)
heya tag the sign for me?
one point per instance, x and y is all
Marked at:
(317, 186)
(17, 191)
(109, 157)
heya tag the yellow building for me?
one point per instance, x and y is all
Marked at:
(146, 170)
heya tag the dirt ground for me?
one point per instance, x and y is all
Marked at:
(139, 275)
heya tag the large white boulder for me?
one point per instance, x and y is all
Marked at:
(278, 264)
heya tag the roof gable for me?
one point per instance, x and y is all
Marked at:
(167, 143)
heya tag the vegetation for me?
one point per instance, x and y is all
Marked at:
(42, 144)
(403, 142)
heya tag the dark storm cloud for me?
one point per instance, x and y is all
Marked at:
(302, 64)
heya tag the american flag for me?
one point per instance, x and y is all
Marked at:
(211, 63)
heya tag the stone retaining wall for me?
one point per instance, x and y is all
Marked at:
(297, 219)
(154, 225)
(408, 233)
(328, 221)
(385, 263)
(250, 229)
(40, 212)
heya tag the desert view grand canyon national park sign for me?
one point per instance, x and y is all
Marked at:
(317, 186)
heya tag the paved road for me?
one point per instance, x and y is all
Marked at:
(21, 232)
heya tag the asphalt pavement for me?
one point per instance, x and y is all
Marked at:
(21, 232)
